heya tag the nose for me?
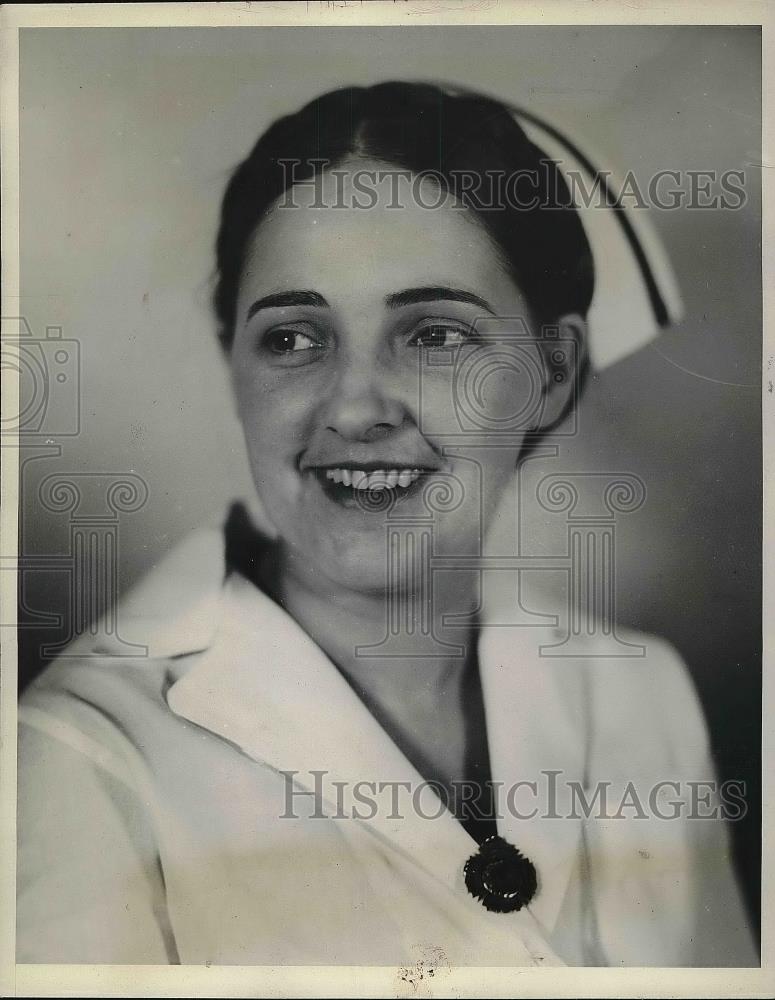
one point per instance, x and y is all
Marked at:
(362, 406)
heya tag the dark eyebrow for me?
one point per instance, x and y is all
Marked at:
(435, 293)
(279, 300)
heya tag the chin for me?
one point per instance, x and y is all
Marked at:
(358, 564)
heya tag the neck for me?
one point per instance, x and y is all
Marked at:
(417, 697)
(345, 622)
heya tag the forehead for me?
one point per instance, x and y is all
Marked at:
(347, 252)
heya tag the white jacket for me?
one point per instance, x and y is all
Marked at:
(152, 792)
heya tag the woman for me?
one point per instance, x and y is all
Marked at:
(338, 750)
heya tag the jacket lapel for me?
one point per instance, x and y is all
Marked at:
(537, 735)
(264, 685)
(259, 681)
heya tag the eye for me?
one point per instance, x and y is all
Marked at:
(287, 341)
(441, 334)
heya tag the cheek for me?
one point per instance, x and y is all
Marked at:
(483, 392)
(274, 426)
(501, 392)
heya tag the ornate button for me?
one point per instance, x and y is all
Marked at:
(500, 876)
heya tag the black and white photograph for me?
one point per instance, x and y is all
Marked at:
(385, 387)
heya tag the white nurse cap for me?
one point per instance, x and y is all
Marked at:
(636, 294)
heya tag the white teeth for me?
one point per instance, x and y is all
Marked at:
(379, 479)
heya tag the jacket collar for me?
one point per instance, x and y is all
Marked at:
(260, 682)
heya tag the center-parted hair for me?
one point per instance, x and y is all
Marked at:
(423, 129)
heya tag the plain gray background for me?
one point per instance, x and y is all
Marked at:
(127, 140)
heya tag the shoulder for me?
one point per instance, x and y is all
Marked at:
(655, 675)
(647, 704)
(165, 611)
(104, 693)
(627, 703)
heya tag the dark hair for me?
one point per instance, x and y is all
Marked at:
(422, 128)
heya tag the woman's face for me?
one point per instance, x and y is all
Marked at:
(351, 325)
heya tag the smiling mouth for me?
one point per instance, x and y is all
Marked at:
(349, 487)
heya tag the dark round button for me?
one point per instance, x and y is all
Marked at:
(500, 876)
